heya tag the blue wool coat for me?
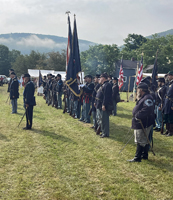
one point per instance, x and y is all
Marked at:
(144, 110)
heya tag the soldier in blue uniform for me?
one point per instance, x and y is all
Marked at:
(103, 103)
(14, 92)
(144, 111)
(168, 106)
(82, 119)
(110, 80)
(97, 85)
(59, 91)
(88, 90)
(115, 95)
(10, 70)
(29, 100)
(160, 95)
(48, 100)
(54, 95)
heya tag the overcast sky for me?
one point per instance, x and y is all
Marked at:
(100, 21)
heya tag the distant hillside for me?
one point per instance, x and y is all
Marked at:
(25, 42)
(162, 34)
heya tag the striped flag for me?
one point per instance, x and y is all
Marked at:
(121, 78)
(140, 72)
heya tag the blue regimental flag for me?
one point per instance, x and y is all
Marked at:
(40, 81)
(69, 57)
(74, 66)
(155, 74)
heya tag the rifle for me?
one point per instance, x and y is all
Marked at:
(8, 98)
(90, 111)
(65, 106)
(146, 136)
(161, 131)
(127, 142)
(22, 118)
(98, 130)
(99, 127)
(71, 110)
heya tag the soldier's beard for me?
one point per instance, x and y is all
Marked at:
(138, 95)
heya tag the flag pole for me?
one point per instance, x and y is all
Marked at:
(134, 88)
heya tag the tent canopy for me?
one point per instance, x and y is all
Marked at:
(35, 73)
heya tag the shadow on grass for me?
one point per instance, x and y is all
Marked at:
(53, 135)
(3, 137)
(121, 108)
(164, 166)
(121, 134)
(121, 115)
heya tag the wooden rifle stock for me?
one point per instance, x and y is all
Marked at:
(161, 131)
(65, 105)
(98, 130)
(90, 112)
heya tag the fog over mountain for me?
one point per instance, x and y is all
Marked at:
(25, 42)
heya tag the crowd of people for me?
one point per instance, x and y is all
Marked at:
(99, 98)
(100, 95)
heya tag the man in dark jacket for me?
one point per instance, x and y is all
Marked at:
(144, 111)
(102, 103)
(14, 92)
(168, 106)
(115, 94)
(88, 90)
(160, 95)
(10, 71)
(59, 91)
(48, 96)
(97, 85)
(29, 100)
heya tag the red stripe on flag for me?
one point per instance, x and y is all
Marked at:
(121, 78)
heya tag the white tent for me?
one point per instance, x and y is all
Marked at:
(150, 74)
(35, 73)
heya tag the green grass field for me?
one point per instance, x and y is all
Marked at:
(62, 158)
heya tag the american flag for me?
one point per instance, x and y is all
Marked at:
(121, 78)
(69, 44)
(140, 73)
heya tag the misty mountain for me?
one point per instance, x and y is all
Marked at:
(25, 42)
(162, 34)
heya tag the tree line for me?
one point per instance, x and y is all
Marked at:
(35, 60)
(97, 59)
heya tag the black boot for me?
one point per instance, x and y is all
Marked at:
(145, 152)
(138, 154)
(167, 129)
(170, 130)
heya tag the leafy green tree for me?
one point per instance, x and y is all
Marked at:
(4, 60)
(12, 56)
(164, 45)
(57, 60)
(99, 58)
(134, 41)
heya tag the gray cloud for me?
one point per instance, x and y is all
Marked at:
(35, 42)
(100, 21)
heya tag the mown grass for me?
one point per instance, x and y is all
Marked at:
(62, 158)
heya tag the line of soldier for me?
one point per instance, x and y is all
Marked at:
(163, 99)
(53, 90)
(99, 99)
